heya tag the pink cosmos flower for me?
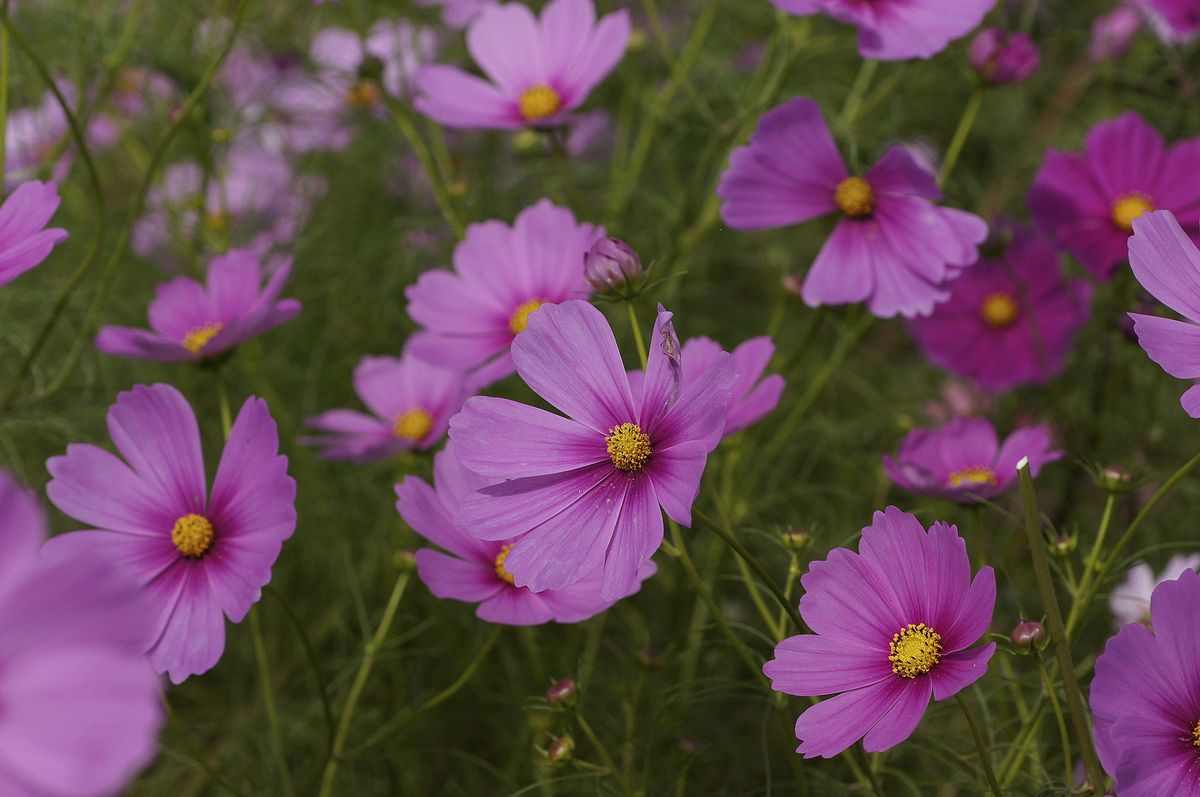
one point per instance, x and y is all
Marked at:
(540, 70)
(1130, 600)
(81, 703)
(474, 570)
(1143, 698)
(1001, 57)
(191, 322)
(25, 241)
(1176, 20)
(34, 136)
(893, 248)
(1167, 264)
(896, 30)
(412, 402)
(1009, 321)
(341, 55)
(892, 626)
(1087, 202)
(964, 461)
(459, 13)
(585, 491)
(194, 557)
(501, 276)
(1113, 33)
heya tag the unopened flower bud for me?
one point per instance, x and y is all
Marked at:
(1001, 57)
(793, 283)
(650, 658)
(610, 266)
(405, 560)
(1063, 545)
(1028, 636)
(795, 540)
(560, 750)
(561, 692)
(1114, 479)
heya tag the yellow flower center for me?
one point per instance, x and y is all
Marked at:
(1128, 208)
(1196, 734)
(999, 310)
(628, 447)
(362, 95)
(520, 316)
(538, 102)
(503, 574)
(855, 198)
(192, 535)
(974, 476)
(412, 425)
(196, 339)
(915, 650)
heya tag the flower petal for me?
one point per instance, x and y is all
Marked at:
(504, 439)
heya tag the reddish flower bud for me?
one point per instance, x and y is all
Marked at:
(1028, 636)
(612, 266)
(561, 692)
(560, 750)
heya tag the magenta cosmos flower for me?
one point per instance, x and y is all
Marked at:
(896, 30)
(893, 248)
(892, 626)
(1001, 57)
(195, 555)
(459, 13)
(474, 570)
(411, 401)
(501, 276)
(586, 490)
(396, 47)
(191, 322)
(1176, 20)
(1145, 698)
(540, 69)
(1167, 264)
(964, 461)
(25, 241)
(81, 703)
(1087, 202)
(1009, 321)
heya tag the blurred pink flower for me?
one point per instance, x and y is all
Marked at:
(25, 241)
(459, 13)
(1113, 33)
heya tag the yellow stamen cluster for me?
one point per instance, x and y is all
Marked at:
(1128, 208)
(1196, 734)
(999, 310)
(192, 535)
(197, 338)
(538, 102)
(915, 650)
(362, 95)
(412, 425)
(520, 316)
(503, 574)
(628, 447)
(854, 197)
(973, 476)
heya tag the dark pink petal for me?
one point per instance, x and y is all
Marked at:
(513, 606)
(1172, 192)
(662, 382)
(676, 473)
(582, 600)
(1176, 624)
(22, 528)
(193, 628)
(1157, 757)
(1126, 155)
(898, 31)
(509, 509)
(957, 671)
(844, 271)
(452, 480)
(180, 306)
(569, 357)
(759, 402)
(896, 544)
(902, 718)
(454, 98)
(974, 612)
(426, 513)
(1166, 262)
(812, 664)
(141, 344)
(448, 577)
(155, 430)
(831, 726)
(1134, 676)
(897, 173)
(504, 439)
(847, 597)
(699, 414)
(1033, 442)
(23, 241)
(638, 534)
(96, 488)
(1190, 400)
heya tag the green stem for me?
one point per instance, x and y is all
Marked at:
(1063, 736)
(1020, 748)
(985, 758)
(1090, 566)
(311, 655)
(602, 751)
(4, 94)
(223, 402)
(733, 542)
(862, 81)
(965, 123)
(638, 340)
(441, 193)
(1058, 635)
(360, 683)
(264, 675)
(196, 755)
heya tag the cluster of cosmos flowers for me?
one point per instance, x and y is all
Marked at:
(553, 515)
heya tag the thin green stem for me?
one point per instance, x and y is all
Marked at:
(638, 340)
(311, 655)
(223, 402)
(4, 94)
(985, 758)
(195, 754)
(602, 751)
(264, 676)
(1058, 635)
(733, 542)
(959, 140)
(441, 192)
(862, 81)
(1020, 748)
(1064, 736)
(360, 683)
(1146, 510)
(1090, 566)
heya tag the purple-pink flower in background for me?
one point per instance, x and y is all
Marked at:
(1087, 202)
(25, 240)
(196, 556)
(190, 321)
(411, 401)
(474, 570)
(501, 276)
(893, 248)
(82, 705)
(965, 461)
(585, 491)
(1113, 33)
(539, 69)
(1001, 57)
(1176, 21)
(459, 13)
(1010, 320)
(33, 137)
(1130, 600)
(1144, 698)
(892, 625)
(396, 47)
(896, 30)
(1167, 264)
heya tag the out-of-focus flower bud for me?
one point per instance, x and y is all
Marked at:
(1114, 479)
(793, 283)
(560, 750)
(405, 560)
(610, 266)
(1063, 545)
(650, 658)
(1001, 57)
(795, 539)
(1113, 33)
(562, 692)
(1029, 636)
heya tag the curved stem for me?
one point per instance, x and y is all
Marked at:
(1150, 506)
(959, 140)
(195, 753)
(638, 340)
(1090, 567)
(985, 758)
(602, 751)
(441, 192)
(1063, 736)
(862, 81)
(311, 655)
(264, 676)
